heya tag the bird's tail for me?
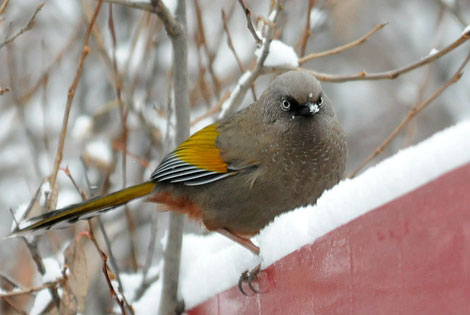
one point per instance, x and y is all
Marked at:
(64, 217)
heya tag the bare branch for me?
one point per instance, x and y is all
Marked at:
(249, 23)
(25, 28)
(232, 48)
(213, 110)
(452, 8)
(4, 5)
(171, 266)
(172, 27)
(145, 6)
(230, 43)
(411, 114)
(210, 61)
(307, 32)
(344, 47)
(71, 93)
(391, 74)
(46, 285)
(106, 271)
(249, 77)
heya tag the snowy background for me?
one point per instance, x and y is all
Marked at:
(37, 68)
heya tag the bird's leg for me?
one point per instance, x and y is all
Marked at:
(249, 275)
(245, 242)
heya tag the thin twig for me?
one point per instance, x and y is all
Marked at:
(339, 49)
(249, 23)
(46, 285)
(25, 28)
(33, 249)
(210, 61)
(172, 27)
(249, 78)
(144, 5)
(391, 74)
(44, 76)
(86, 50)
(451, 6)
(230, 43)
(109, 248)
(307, 32)
(107, 271)
(213, 110)
(74, 183)
(412, 113)
(4, 5)
(232, 48)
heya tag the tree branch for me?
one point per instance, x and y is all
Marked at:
(177, 32)
(249, 77)
(25, 28)
(343, 47)
(70, 95)
(391, 74)
(411, 114)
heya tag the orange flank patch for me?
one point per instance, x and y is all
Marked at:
(201, 151)
(179, 204)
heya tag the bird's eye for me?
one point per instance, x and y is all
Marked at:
(285, 105)
(320, 100)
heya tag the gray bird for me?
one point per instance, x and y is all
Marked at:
(236, 175)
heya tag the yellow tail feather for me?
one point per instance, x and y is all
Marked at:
(84, 210)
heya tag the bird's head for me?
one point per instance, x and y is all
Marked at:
(294, 94)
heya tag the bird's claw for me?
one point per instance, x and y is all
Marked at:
(249, 277)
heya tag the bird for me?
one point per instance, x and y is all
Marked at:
(236, 175)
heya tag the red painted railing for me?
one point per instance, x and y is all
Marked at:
(410, 256)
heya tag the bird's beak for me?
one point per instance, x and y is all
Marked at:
(309, 109)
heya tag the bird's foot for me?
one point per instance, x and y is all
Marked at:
(249, 276)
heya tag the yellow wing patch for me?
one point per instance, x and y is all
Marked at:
(201, 151)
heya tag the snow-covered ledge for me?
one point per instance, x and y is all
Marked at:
(213, 264)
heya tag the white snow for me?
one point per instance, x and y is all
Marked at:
(272, 15)
(7, 121)
(40, 302)
(450, 3)
(100, 150)
(53, 269)
(19, 214)
(280, 55)
(132, 283)
(466, 30)
(317, 18)
(433, 52)
(212, 263)
(405, 171)
(150, 301)
(82, 128)
(171, 5)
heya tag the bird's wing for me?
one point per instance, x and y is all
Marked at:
(196, 161)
